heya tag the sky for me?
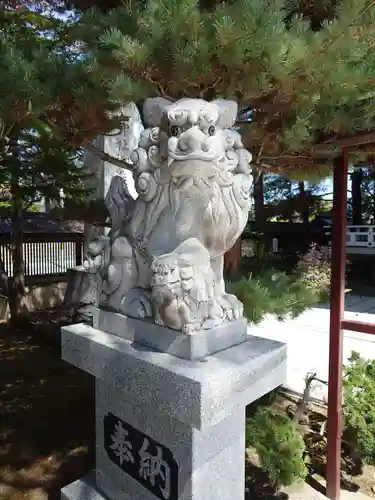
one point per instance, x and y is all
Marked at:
(327, 185)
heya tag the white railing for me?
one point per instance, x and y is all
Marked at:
(358, 236)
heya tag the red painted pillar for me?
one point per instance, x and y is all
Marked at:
(334, 424)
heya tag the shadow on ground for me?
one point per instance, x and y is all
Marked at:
(47, 419)
(257, 486)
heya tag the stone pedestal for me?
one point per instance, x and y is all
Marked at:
(120, 145)
(166, 427)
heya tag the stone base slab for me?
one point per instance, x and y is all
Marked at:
(169, 428)
(83, 489)
(191, 347)
(197, 393)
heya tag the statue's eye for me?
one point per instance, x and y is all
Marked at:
(174, 130)
(211, 130)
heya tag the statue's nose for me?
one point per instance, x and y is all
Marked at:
(185, 143)
(193, 141)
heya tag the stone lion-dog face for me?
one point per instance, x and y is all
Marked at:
(193, 134)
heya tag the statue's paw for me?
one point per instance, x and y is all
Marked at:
(229, 314)
(232, 307)
(137, 304)
(213, 322)
(232, 299)
(238, 312)
(190, 328)
(91, 267)
(158, 320)
(236, 305)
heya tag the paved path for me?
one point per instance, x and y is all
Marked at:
(303, 491)
(307, 338)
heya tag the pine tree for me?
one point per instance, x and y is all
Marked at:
(51, 101)
(306, 69)
(292, 201)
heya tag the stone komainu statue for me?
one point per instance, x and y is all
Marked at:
(164, 256)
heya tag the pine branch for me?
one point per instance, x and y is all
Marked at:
(93, 149)
(106, 157)
(286, 157)
(323, 49)
(362, 139)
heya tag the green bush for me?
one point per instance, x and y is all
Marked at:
(279, 446)
(274, 293)
(359, 406)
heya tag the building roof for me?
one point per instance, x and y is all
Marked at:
(41, 223)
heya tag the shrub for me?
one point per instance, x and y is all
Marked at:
(358, 407)
(273, 292)
(279, 446)
(314, 270)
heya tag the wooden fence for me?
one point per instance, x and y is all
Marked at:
(293, 238)
(47, 256)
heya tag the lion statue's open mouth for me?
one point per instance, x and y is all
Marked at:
(192, 156)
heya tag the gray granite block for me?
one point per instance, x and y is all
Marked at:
(220, 478)
(192, 347)
(191, 447)
(83, 489)
(197, 393)
(211, 462)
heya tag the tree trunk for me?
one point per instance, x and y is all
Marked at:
(259, 202)
(17, 283)
(17, 288)
(47, 205)
(4, 280)
(305, 207)
(357, 197)
(291, 210)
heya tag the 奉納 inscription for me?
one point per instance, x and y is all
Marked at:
(148, 462)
